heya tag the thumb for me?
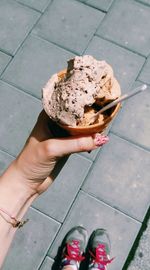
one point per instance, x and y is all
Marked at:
(65, 146)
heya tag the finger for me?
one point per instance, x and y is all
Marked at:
(45, 128)
(74, 144)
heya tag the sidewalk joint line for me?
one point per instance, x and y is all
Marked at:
(54, 43)
(69, 210)
(85, 157)
(5, 68)
(27, 6)
(148, 84)
(5, 52)
(40, 212)
(121, 46)
(95, 160)
(143, 3)
(26, 92)
(144, 148)
(109, 205)
(42, 261)
(6, 152)
(140, 70)
(26, 36)
(92, 35)
(90, 5)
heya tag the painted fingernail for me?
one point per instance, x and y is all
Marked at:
(100, 139)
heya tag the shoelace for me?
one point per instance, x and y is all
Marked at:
(100, 257)
(73, 251)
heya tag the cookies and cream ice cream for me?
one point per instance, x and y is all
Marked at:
(88, 85)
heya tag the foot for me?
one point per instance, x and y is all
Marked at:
(74, 247)
(99, 250)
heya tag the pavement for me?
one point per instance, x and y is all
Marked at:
(109, 187)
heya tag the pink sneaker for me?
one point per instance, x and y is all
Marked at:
(74, 247)
(99, 250)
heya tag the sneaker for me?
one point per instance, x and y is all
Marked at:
(74, 246)
(99, 250)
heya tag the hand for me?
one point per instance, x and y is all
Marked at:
(42, 150)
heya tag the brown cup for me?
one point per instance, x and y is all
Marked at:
(98, 127)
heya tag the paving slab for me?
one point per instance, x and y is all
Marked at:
(16, 22)
(31, 242)
(34, 64)
(102, 5)
(125, 24)
(5, 160)
(126, 64)
(92, 214)
(147, 2)
(18, 114)
(36, 4)
(4, 60)
(82, 1)
(69, 19)
(144, 75)
(124, 170)
(133, 122)
(91, 155)
(64, 189)
(47, 264)
(141, 260)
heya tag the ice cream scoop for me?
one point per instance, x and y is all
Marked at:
(86, 82)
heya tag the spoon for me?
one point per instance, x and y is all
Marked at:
(115, 102)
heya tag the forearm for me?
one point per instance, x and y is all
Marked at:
(15, 198)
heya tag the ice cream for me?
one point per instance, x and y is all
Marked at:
(87, 85)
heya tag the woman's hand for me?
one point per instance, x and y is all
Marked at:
(42, 150)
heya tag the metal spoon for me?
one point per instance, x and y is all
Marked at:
(115, 102)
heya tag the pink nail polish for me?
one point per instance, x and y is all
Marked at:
(100, 139)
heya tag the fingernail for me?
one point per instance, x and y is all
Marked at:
(100, 139)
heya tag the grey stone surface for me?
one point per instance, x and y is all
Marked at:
(82, 1)
(18, 113)
(144, 76)
(69, 19)
(125, 24)
(4, 60)
(5, 160)
(31, 242)
(102, 4)
(16, 22)
(133, 122)
(91, 155)
(92, 214)
(47, 264)
(36, 4)
(73, 25)
(123, 169)
(64, 189)
(126, 65)
(34, 64)
(141, 259)
(147, 2)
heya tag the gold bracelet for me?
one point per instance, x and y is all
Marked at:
(12, 220)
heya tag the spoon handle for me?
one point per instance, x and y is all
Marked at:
(126, 96)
